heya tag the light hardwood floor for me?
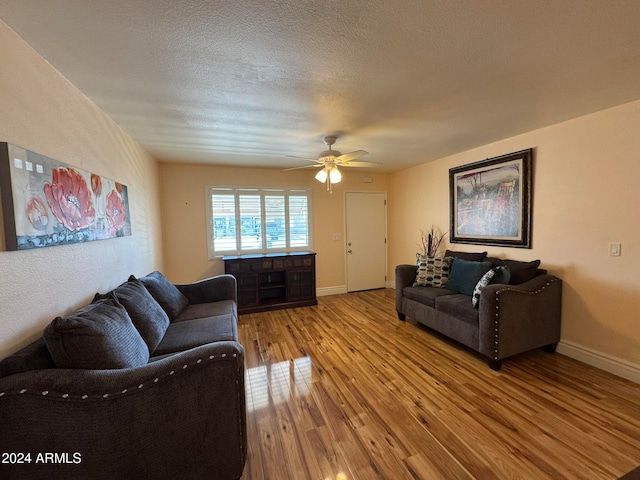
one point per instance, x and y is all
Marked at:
(344, 390)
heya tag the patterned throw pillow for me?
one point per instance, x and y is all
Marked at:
(432, 271)
(495, 275)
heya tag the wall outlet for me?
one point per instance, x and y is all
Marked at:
(337, 237)
(615, 249)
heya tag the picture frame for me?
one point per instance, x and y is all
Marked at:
(490, 201)
(48, 203)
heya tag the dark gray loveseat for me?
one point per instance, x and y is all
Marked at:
(509, 319)
(160, 395)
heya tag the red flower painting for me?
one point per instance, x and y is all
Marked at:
(70, 199)
(96, 184)
(116, 213)
(37, 213)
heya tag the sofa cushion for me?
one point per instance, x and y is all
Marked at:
(188, 334)
(34, 356)
(471, 256)
(432, 271)
(520, 271)
(426, 296)
(458, 306)
(465, 275)
(200, 310)
(495, 275)
(146, 313)
(98, 336)
(166, 293)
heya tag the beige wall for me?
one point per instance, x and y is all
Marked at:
(184, 218)
(586, 194)
(41, 111)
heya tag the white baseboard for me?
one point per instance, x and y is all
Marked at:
(321, 292)
(608, 363)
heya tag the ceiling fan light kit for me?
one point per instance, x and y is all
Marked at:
(329, 175)
(334, 175)
(321, 176)
(330, 159)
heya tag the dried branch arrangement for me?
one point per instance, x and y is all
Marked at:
(431, 241)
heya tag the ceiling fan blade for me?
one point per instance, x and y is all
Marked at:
(360, 164)
(304, 166)
(347, 157)
(304, 158)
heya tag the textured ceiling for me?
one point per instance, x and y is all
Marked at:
(246, 82)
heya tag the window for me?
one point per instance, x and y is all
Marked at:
(257, 220)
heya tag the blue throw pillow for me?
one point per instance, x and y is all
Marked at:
(465, 274)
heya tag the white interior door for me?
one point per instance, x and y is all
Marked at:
(366, 232)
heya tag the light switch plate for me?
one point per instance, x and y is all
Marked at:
(615, 249)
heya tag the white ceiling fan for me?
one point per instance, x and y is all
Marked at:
(329, 160)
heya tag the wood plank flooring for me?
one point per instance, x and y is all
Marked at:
(345, 391)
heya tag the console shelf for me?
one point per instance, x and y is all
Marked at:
(273, 281)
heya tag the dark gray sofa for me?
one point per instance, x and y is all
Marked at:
(510, 318)
(174, 410)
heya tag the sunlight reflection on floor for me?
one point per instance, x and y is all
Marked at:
(339, 476)
(275, 383)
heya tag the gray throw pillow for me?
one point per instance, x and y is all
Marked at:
(98, 336)
(146, 313)
(520, 271)
(165, 293)
(471, 256)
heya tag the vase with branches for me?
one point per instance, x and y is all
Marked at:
(431, 240)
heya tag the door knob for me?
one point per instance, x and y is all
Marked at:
(349, 251)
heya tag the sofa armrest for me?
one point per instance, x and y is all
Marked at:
(213, 289)
(182, 416)
(405, 276)
(518, 318)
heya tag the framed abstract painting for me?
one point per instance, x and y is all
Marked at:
(490, 201)
(47, 203)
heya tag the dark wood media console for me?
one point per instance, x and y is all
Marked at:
(273, 281)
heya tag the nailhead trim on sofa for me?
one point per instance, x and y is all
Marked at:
(124, 391)
(497, 336)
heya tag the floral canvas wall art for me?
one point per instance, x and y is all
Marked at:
(46, 202)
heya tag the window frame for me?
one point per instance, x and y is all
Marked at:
(262, 192)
